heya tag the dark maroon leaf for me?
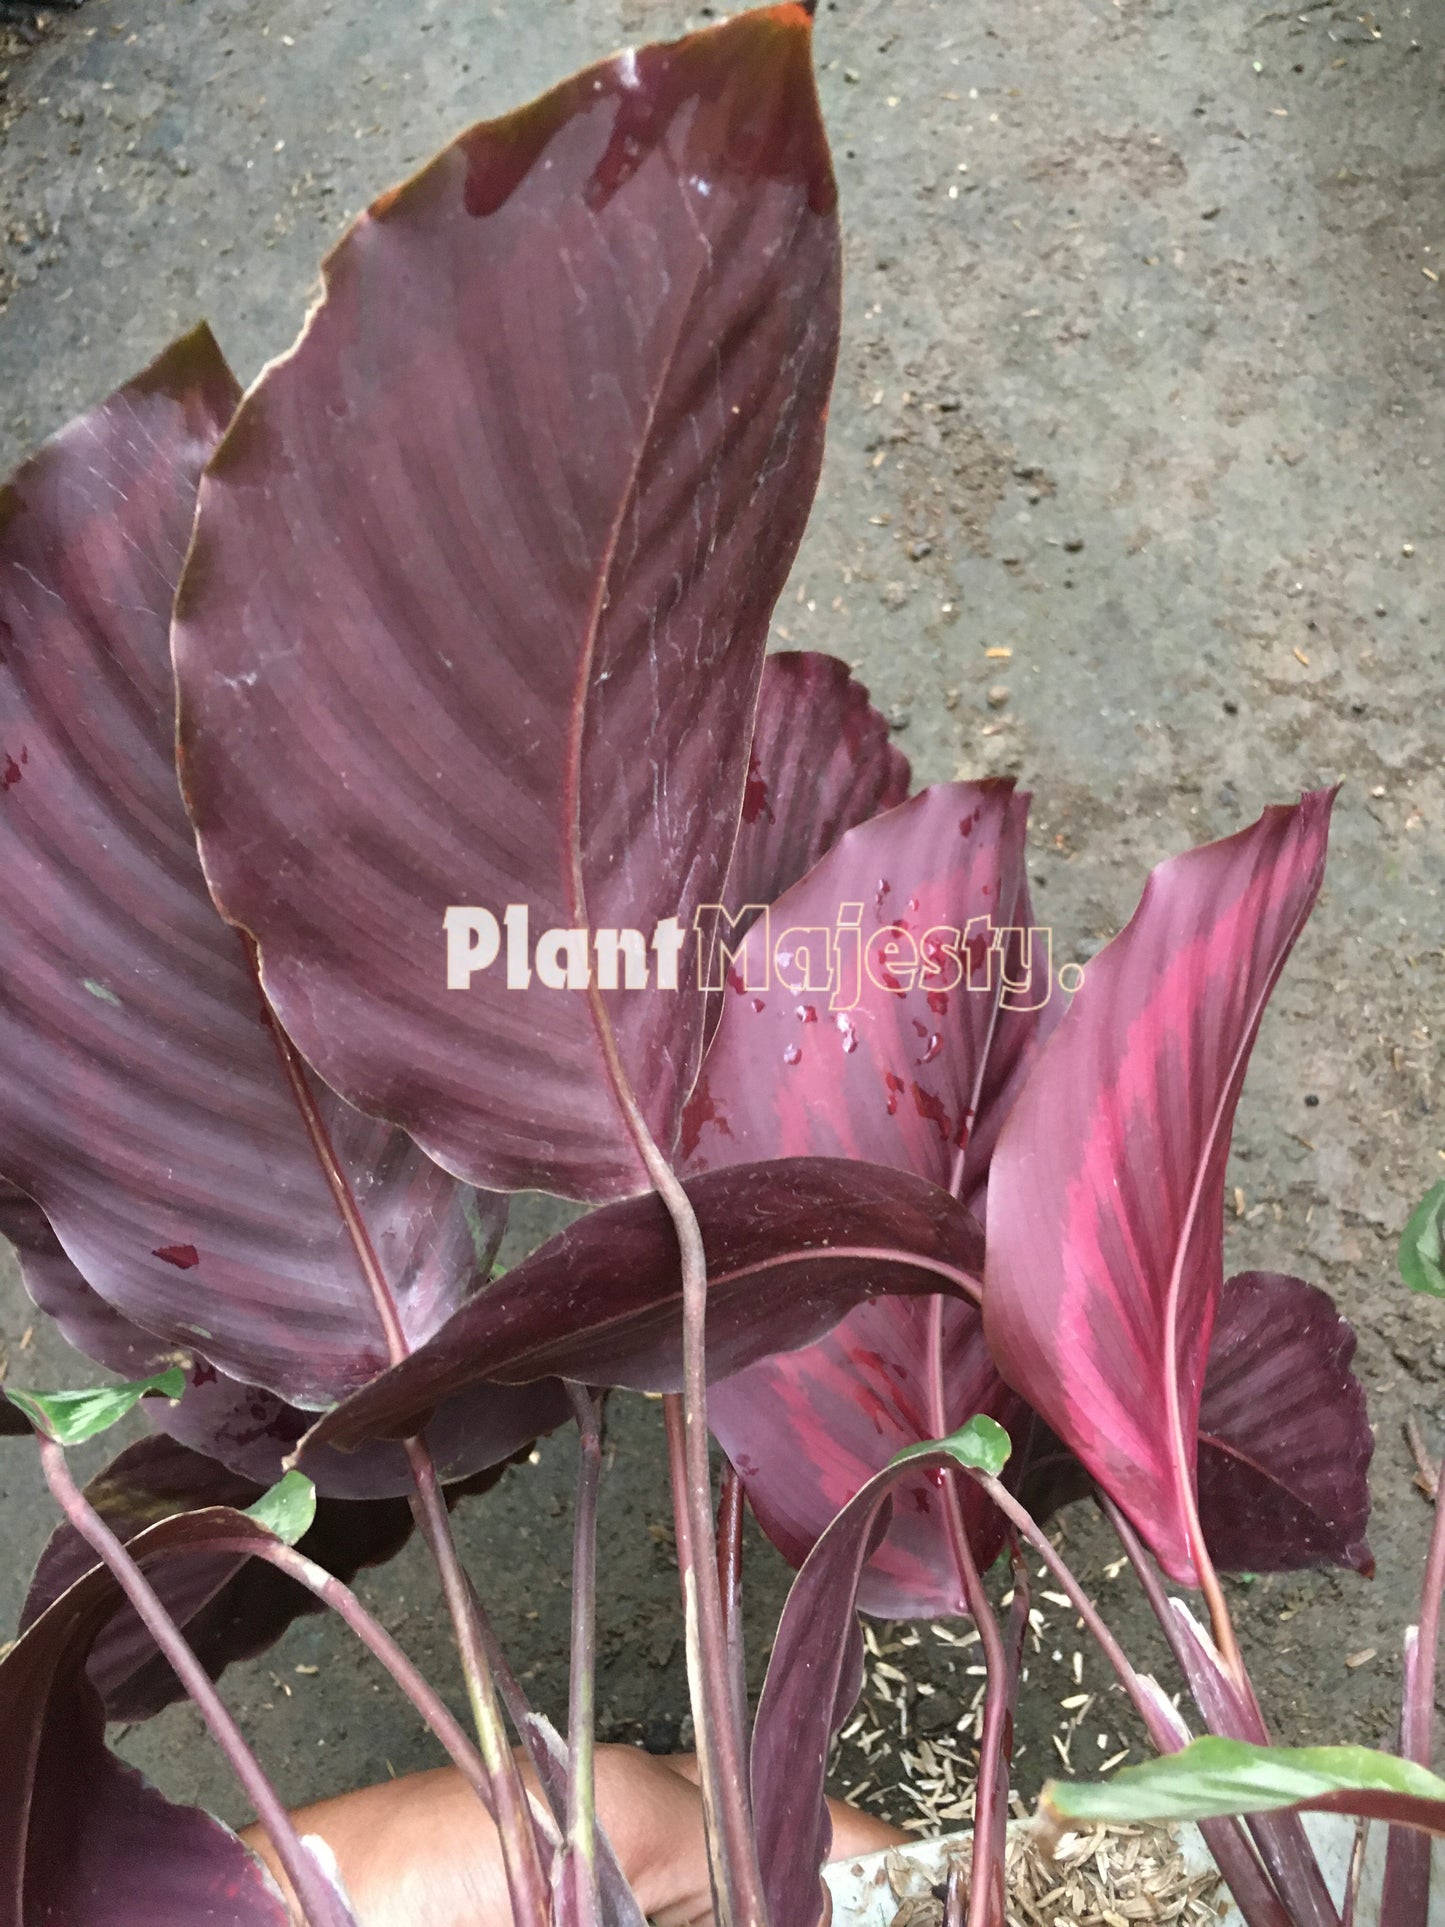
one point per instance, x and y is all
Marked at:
(186, 1162)
(230, 1607)
(1284, 1437)
(814, 1677)
(1106, 1190)
(83, 1840)
(253, 1433)
(872, 1038)
(250, 1430)
(478, 602)
(808, 1429)
(57, 1289)
(790, 1245)
(821, 762)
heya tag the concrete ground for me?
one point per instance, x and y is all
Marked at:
(1141, 383)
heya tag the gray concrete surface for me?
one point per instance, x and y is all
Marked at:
(1141, 382)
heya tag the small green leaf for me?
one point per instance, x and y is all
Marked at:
(1214, 1777)
(287, 1509)
(982, 1445)
(1422, 1244)
(70, 1418)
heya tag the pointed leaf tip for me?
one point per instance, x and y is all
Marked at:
(70, 1418)
(1422, 1244)
(288, 1509)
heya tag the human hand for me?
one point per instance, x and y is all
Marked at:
(423, 1852)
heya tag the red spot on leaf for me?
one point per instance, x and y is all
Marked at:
(894, 1086)
(755, 795)
(700, 1112)
(792, 1055)
(183, 1257)
(927, 1105)
(10, 774)
(938, 1002)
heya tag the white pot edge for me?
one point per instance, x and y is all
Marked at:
(862, 1896)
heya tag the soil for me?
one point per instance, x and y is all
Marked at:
(1133, 489)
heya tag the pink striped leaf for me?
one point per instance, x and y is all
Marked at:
(808, 1429)
(477, 607)
(1284, 1439)
(867, 1016)
(1105, 1261)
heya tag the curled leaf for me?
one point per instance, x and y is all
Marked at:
(230, 1606)
(83, 1838)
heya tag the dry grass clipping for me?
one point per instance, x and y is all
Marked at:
(1106, 1877)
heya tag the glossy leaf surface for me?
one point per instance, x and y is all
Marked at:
(1106, 1191)
(83, 1839)
(57, 1288)
(250, 1430)
(188, 1165)
(791, 1246)
(479, 596)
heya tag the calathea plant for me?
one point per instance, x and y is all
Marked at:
(398, 810)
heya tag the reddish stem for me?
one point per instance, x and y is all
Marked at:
(319, 1901)
(584, 1895)
(722, 1757)
(526, 1885)
(1406, 1895)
